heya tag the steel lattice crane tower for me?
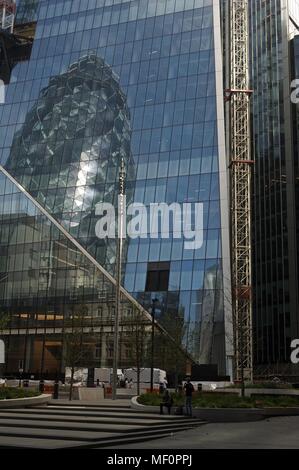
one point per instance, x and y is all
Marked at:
(7, 15)
(238, 98)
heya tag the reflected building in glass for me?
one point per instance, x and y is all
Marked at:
(68, 152)
(109, 79)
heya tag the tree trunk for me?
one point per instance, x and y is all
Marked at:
(72, 383)
(138, 380)
(176, 376)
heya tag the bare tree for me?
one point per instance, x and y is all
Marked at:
(138, 329)
(4, 319)
(76, 351)
(169, 352)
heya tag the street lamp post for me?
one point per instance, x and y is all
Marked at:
(121, 210)
(152, 342)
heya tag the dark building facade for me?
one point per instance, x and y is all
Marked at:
(295, 130)
(138, 80)
(275, 217)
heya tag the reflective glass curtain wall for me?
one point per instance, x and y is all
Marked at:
(64, 127)
(49, 289)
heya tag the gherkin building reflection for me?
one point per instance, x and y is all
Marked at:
(68, 151)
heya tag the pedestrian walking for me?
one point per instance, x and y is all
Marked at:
(189, 389)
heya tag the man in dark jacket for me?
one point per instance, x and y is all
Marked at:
(189, 389)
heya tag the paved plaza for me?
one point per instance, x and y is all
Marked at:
(274, 433)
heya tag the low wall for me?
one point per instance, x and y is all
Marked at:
(260, 391)
(272, 412)
(270, 391)
(91, 394)
(222, 415)
(225, 415)
(144, 408)
(23, 402)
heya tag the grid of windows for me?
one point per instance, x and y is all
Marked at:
(275, 314)
(80, 124)
(163, 53)
(46, 283)
(295, 122)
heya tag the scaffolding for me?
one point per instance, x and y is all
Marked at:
(7, 15)
(16, 40)
(238, 97)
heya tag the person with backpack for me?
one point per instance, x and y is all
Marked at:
(189, 389)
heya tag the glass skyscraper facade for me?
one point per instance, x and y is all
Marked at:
(275, 224)
(110, 79)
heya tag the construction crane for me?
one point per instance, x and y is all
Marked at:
(16, 40)
(7, 15)
(240, 163)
